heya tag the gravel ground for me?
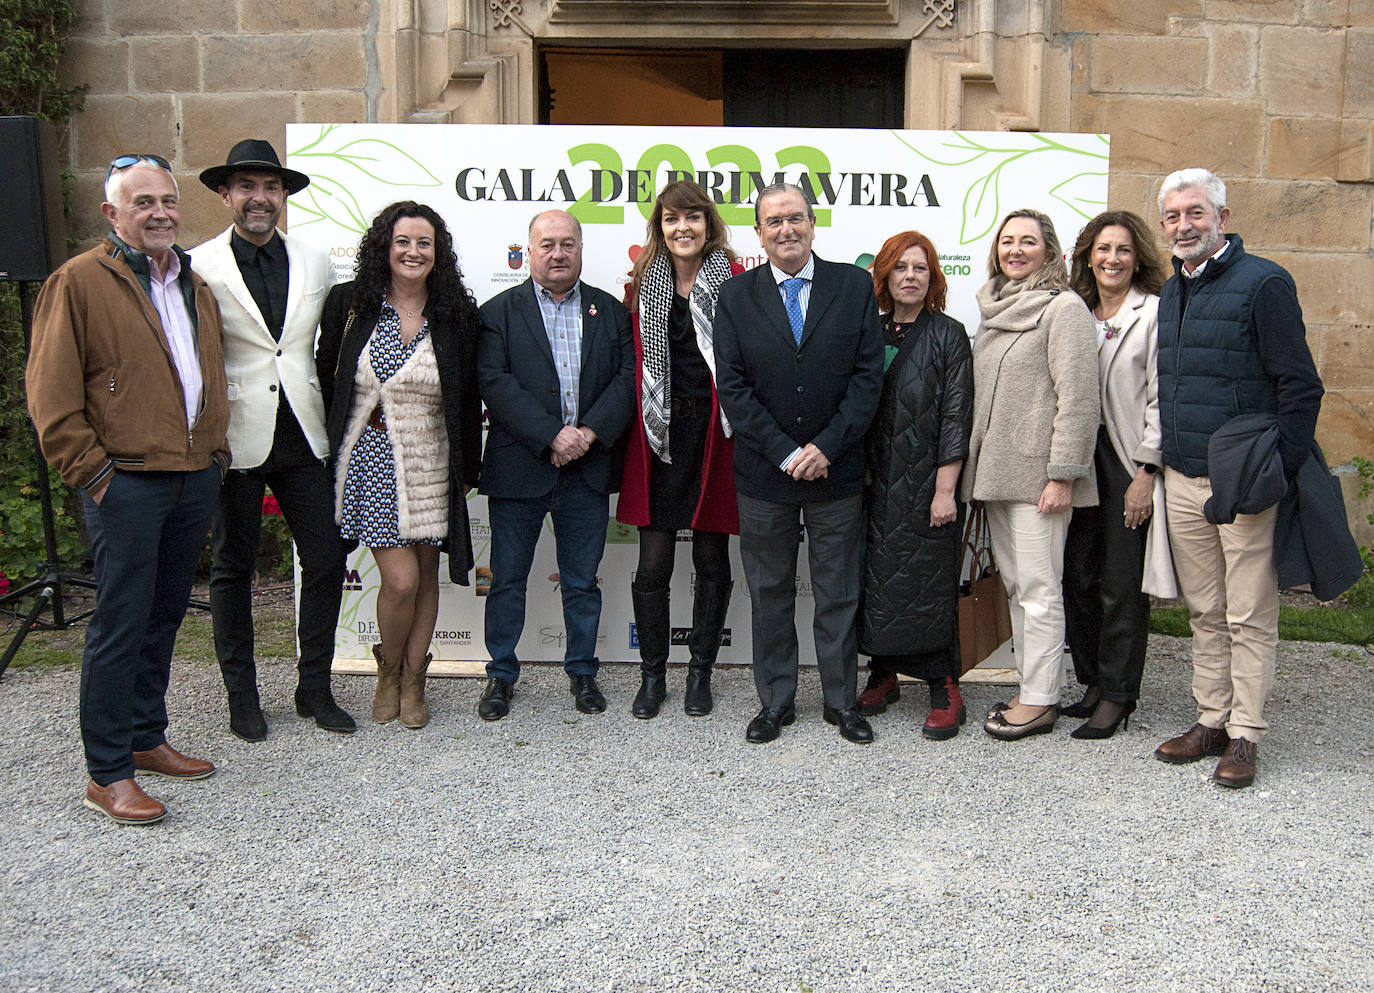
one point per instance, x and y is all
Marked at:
(554, 851)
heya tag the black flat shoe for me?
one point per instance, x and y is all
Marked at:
(495, 702)
(245, 716)
(851, 723)
(769, 724)
(328, 715)
(1101, 725)
(1085, 705)
(587, 696)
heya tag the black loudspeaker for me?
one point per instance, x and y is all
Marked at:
(33, 239)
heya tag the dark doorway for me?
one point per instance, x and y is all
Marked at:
(804, 88)
(816, 88)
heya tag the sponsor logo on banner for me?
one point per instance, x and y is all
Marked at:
(453, 637)
(557, 580)
(678, 636)
(682, 636)
(353, 580)
(621, 534)
(557, 637)
(515, 256)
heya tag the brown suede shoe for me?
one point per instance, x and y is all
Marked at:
(1193, 744)
(124, 801)
(1237, 766)
(164, 760)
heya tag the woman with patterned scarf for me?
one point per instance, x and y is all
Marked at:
(678, 463)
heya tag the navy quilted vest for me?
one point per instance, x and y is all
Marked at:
(1209, 365)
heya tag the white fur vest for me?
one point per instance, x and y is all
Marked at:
(414, 411)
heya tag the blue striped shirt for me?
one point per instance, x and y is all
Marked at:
(808, 273)
(563, 325)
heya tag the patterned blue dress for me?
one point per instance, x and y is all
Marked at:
(369, 498)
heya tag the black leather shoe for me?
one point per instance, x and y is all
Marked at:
(328, 715)
(851, 723)
(769, 724)
(495, 702)
(245, 716)
(586, 694)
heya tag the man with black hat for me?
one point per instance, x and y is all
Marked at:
(270, 290)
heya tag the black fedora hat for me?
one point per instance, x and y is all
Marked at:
(254, 153)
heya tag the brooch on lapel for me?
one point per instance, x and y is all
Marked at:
(592, 310)
(1111, 332)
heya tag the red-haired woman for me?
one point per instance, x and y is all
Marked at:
(915, 450)
(678, 463)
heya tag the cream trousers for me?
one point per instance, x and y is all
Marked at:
(1227, 578)
(1029, 547)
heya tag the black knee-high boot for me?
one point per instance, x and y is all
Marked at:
(651, 622)
(709, 607)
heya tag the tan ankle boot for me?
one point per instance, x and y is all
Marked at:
(386, 705)
(414, 710)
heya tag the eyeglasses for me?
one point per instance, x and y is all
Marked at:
(124, 161)
(776, 223)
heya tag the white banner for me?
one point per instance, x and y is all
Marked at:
(488, 181)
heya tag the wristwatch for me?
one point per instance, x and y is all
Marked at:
(1149, 467)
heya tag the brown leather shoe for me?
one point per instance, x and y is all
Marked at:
(164, 760)
(1193, 744)
(123, 801)
(1237, 766)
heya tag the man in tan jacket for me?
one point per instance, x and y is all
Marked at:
(126, 387)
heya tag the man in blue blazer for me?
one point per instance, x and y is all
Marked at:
(799, 360)
(556, 366)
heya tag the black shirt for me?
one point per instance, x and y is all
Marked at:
(264, 271)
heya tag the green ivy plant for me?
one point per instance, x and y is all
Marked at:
(33, 38)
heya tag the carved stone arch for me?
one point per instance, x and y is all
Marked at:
(981, 64)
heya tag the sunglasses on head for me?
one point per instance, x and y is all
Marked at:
(124, 161)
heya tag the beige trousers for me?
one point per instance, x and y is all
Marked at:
(1227, 578)
(1029, 547)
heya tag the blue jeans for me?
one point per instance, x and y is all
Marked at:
(146, 534)
(579, 515)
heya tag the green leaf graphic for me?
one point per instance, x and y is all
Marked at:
(377, 159)
(324, 199)
(982, 205)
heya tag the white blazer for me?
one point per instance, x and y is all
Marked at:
(256, 366)
(1129, 381)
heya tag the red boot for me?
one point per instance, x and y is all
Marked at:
(880, 691)
(946, 709)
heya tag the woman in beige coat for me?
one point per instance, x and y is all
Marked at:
(1118, 552)
(1030, 457)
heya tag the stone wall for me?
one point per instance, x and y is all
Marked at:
(1275, 95)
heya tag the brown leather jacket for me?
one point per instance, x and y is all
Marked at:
(102, 388)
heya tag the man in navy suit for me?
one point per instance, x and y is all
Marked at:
(799, 360)
(556, 367)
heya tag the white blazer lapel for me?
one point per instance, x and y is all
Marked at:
(233, 280)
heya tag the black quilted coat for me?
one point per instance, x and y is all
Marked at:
(911, 571)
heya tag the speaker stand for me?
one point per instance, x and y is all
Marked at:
(48, 591)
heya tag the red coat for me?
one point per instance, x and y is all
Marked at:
(716, 506)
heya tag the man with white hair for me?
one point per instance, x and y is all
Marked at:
(126, 388)
(1231, 342)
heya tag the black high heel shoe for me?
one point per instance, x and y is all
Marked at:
(1098, 732)
(1092, 696)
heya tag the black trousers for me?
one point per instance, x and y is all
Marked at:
(1107, 618)
(306, 496)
